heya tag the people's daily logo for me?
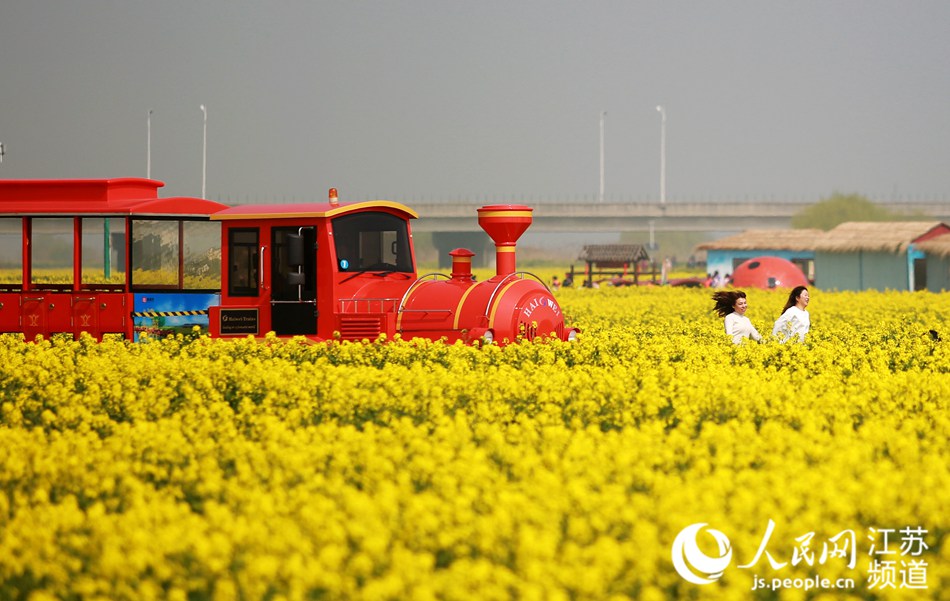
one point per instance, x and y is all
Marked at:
(895, 558)
(692, 563)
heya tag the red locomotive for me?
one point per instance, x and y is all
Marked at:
(111, 257)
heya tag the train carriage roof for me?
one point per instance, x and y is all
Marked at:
(318, 210)
(120, 196)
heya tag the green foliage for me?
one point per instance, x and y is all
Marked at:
(840, 208)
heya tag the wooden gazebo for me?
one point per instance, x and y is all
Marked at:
(615, 260)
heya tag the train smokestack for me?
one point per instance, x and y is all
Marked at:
(504, 224)
(462, 264)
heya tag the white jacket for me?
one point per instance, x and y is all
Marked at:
(794, 322)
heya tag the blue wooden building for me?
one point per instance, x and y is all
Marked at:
(798, 246)
(880, 256)
(937, 253)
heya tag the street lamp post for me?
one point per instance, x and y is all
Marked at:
(148, 146)
(603, 118)
(204, 152)
(662, 155)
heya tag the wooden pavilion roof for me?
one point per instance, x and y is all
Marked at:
(613, 253)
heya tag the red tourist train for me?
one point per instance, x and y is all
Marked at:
(110, 257)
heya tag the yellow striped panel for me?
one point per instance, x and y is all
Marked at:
(168, 313)
(491, 318)
(458, 309)
(320, 210)
(505, 214)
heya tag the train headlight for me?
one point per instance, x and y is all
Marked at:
(488, 337)
(572, 335)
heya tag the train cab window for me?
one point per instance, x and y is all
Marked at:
(372, 242)
(11, 253)
(202, 255)
(243, 258)
(103, 251)
(51, 252)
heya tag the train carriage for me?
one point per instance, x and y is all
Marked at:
(105, 257)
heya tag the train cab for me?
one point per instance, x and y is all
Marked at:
(320, 270)
(104, 256)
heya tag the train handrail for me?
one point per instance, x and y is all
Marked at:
(491, 299)
(356, 302)
(261, 268)
(419, 280)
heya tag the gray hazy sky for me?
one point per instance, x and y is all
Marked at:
(484, 100)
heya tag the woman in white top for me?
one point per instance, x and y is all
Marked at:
(794, 320)
(732, 304)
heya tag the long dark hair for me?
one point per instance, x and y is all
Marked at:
(793, 297)
(726, 300)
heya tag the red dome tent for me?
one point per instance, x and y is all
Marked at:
(768, 272)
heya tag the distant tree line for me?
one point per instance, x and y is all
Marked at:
(840, 208)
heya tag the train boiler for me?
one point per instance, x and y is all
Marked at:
(509, 306)
(347, 271)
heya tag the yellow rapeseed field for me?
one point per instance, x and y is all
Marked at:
(198, 469)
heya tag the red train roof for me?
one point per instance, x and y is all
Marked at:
(119, 196)
(316, 209)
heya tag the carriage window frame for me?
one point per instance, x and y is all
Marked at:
(246, 260)
(60, 245)
(141, 261)
(11, 253)
(92, 253)
(201, 254)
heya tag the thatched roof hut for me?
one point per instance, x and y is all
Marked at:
(802, 239)
(878, 256)
(883, 236)
(726, 254)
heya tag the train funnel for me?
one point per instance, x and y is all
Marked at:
(504, 224)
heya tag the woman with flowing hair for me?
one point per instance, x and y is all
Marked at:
(794, 320)
(732, 305)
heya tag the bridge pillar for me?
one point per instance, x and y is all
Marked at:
(477, 242)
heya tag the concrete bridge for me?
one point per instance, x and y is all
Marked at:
(637, 217)
(456, 224)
